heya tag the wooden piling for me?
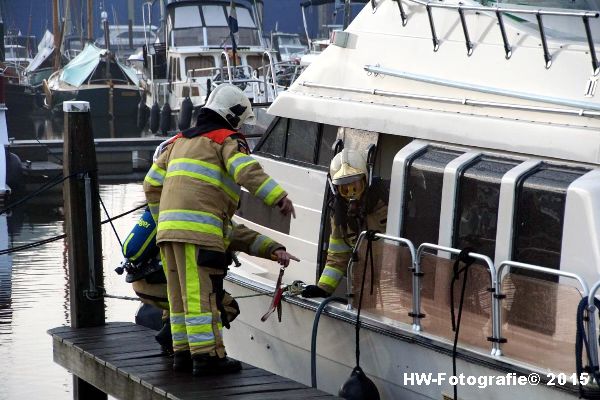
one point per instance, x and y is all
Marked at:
(82, 225)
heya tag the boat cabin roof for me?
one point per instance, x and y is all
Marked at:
(381, 75)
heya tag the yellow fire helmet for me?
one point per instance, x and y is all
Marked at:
(348, 171)
(231, 103)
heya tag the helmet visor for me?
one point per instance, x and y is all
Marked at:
(352, 190)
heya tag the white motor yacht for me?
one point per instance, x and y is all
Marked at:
(487, 128)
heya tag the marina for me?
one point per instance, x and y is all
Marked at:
(402, 189)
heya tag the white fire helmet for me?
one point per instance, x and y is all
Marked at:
(231, 103)
(348, 171)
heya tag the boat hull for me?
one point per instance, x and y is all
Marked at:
(386, 354)
(121, 103)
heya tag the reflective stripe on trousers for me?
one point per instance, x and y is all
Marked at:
(330, 278)
(195, 318)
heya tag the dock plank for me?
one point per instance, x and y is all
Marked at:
(124, 361)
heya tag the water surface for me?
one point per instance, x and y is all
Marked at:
(34, 290)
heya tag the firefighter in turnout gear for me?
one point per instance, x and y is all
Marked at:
(147, 278)
(356, 207)
(193, 190)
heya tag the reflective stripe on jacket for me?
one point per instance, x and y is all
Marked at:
(340, 249)
(193, 189)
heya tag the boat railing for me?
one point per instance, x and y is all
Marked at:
(500, 12)
(412, 268)
(416, 275)
(544, 270)
(228, 66)
(487, 262)
(277, 76)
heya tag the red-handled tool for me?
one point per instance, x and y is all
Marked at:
(277, 295)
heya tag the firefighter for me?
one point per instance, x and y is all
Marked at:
(146, 275)
(356, 207)
(193, 190)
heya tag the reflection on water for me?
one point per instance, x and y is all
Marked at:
(34, 292)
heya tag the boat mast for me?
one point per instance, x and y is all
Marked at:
(90, 23)
(56, 32)
(130, 13)
(347, 10)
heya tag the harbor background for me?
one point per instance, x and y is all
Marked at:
(35, 16)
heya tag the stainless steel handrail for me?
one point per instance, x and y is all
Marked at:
(585, 292)
(499, 11)
(582, 13)
(411, 248)
(493, 281)
(273, 77)
(452, 100)
(229, 74)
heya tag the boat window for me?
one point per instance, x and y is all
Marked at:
(477, 204)
(244, 18)
(187, 37)
(221, 37)
(537, 239)
(274, 143)
(187, 17)
(540, 206)
(218, 36)
(301, 140)
(214, 16)
(199, 62)
(328, 136)
(423, 194)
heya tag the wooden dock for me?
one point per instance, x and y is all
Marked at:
(123, 360)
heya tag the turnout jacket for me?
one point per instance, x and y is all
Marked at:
(193, 187)
(140, 245)
(344, 233)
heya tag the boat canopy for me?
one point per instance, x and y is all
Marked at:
(83, 66)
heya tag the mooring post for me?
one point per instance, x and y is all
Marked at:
(82, 225)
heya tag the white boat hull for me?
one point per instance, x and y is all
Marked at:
(386, 357)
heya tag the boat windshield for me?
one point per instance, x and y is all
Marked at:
(207, 26)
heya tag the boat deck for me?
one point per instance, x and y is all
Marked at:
(123, 360)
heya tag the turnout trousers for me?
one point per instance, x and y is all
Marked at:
(194, 302)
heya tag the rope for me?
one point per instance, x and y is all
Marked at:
(58, 179)
(468, 261)
(59, 237)
(370, 236)
(31, 245)
(112, 296)
(110, 221)
(48, 152)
